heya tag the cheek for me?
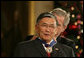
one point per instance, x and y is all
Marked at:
(53, 32)
(60, 29)
(41, 31)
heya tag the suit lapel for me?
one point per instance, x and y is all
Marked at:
(57, 51)
(40, 48)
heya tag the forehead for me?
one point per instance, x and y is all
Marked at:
(60, 19)
(47, 20)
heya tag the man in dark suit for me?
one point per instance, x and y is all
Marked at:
(60, 39)
(63, 18)
(44, 45)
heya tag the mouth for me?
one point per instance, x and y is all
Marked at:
(47, 34)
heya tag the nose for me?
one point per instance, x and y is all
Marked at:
(47, 29)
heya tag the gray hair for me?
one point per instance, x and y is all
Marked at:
(46, 14)
(61, 12)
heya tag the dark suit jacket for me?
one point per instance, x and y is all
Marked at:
(66, 41)
(62, 40)
(35, 48)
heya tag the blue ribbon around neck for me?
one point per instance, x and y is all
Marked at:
(48, 45)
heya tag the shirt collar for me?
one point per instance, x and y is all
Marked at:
(49, 42)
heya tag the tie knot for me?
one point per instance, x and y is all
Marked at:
(47, 45)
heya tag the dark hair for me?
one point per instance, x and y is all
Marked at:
(46, 14)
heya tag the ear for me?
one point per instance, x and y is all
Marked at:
(65, 27)
(36, 28)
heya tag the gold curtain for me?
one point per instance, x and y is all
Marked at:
(31, 18)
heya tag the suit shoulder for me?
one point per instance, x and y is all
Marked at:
(66, 49)
(24, 43)
(64, 46)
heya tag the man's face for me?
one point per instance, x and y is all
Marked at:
(46, 28)
(61, 27)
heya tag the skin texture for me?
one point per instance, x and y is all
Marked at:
(60, 27)
(46, 29)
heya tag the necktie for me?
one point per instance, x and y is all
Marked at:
(48, 54)
(48, 50)
(48, 46)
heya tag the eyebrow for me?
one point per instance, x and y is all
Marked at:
(44, 23)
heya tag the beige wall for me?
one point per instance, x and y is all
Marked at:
(36, 8)
(42, 6)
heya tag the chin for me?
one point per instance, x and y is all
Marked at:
(46, 38)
